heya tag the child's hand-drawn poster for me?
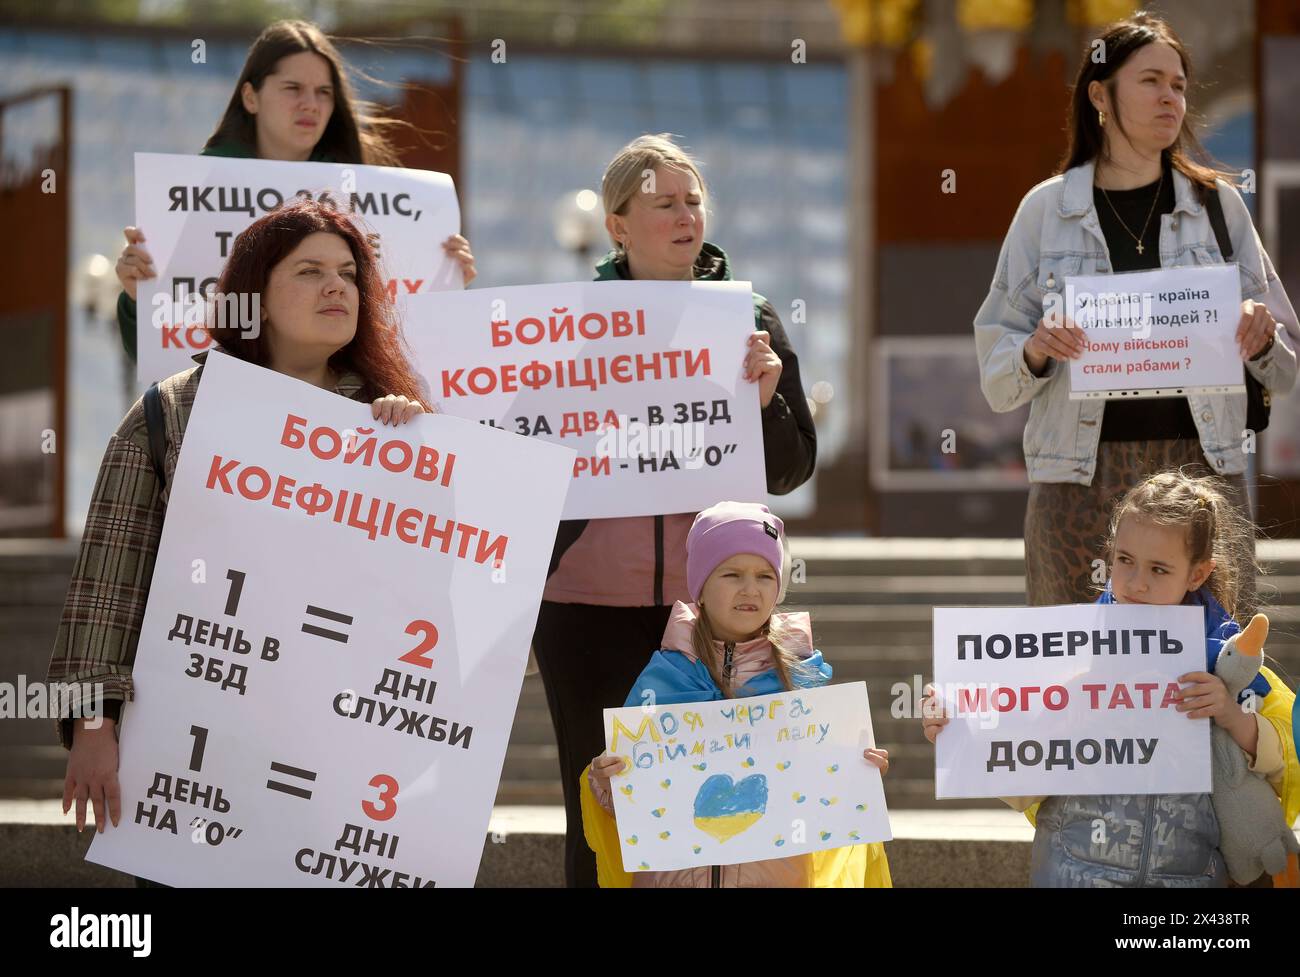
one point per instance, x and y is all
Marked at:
(743, 780)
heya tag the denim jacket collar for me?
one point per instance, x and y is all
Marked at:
(1076, 200)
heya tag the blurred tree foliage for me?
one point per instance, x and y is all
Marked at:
(543, 21)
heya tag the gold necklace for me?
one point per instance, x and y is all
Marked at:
(1137, 237)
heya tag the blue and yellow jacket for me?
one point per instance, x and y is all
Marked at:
(675, 675)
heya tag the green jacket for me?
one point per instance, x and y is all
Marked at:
(126, 306)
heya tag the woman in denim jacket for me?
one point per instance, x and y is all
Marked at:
(1130, 196)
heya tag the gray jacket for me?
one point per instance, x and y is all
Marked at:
(1127, 841)
(1056, 233)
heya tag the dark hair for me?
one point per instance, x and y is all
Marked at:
(1120, 41)
(354, 133)
(376, 352)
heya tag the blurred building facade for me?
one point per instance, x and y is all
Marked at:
(827, 130)
(529, 130)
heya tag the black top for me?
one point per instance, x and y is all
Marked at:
(1146, 418)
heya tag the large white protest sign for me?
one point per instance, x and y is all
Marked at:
(334, 643)
(743, 780)
(643, 379)
(1076, 699)
(1163, 333)
(191, 208)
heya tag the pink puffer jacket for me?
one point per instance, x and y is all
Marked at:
(749, 659)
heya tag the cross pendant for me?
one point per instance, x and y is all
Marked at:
(1139, 247)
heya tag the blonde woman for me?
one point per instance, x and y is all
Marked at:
(614, 581)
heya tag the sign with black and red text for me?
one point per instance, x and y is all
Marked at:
(1077, 699)
(191, 209)
(334, 643)
(644, 379)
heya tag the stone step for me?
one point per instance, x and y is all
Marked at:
(531, 791)
(942, 592)
(871, 602)
(932, 588)
(524, 847)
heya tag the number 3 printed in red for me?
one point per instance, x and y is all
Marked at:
(387, 805)
(416, 656)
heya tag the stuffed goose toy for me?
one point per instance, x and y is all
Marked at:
(1253, 834)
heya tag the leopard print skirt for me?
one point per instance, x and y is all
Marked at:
(1066, 525)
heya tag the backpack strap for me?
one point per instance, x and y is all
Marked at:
(157, 430)
(1215, 206)
(1259, 399)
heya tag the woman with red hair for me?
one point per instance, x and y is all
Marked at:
(325, 319)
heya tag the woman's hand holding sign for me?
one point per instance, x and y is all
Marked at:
(395, 409)
(1256, 330)
(763, 365)
(1056, 336)
(457, 248)
(134, 263)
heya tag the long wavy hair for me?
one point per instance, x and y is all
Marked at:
(1212, 526)
(789, 666)
(1087, 142)
(356, 131)
(378, 350)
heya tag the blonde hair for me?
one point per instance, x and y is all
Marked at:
(627, 171)
(1213, 527)
(789, 666)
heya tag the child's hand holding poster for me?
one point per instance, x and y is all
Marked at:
(743, 780)
(1158, 333)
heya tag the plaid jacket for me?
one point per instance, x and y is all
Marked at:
(100, 627)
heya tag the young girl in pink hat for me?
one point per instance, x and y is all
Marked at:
(729, 644)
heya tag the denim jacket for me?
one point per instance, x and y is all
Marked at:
(1056, 233)
(1127, 841)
